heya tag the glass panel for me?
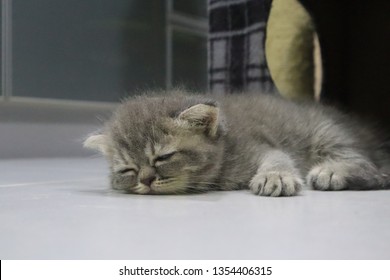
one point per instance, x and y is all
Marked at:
(189, 61)
(193, 7)
(87, 49)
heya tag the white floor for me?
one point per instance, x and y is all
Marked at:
(64, 209)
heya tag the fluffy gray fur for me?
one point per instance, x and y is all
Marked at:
(180, 143)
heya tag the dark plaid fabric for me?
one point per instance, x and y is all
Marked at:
(236, 46)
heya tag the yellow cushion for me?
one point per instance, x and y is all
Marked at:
(289, 49)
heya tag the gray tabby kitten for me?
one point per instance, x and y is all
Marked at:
(179, 143)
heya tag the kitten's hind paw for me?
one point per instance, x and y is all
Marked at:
(276, 184)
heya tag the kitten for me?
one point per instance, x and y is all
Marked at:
(179, 143)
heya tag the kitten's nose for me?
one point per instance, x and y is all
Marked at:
(148, 180)
(147, 175)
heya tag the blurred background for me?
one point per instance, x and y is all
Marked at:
(100, 50)
(66, 63)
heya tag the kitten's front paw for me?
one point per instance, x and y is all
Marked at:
(326, 178)
(276, 184)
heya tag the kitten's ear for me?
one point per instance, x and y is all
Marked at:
(98, 141)
(202, 116)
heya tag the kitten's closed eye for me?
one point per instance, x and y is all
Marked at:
(165, 157)
(127, 171)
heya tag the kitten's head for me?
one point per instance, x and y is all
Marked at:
(158, 145)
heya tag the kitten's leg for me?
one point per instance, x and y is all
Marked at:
(349, 171)
(276, 175)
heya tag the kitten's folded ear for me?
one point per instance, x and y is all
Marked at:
(98, 141)
(203, 117)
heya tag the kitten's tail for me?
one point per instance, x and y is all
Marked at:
(385, 168)
(379, 182)
(382, 160)
(385, 172)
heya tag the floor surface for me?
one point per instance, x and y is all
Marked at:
(64, 209)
